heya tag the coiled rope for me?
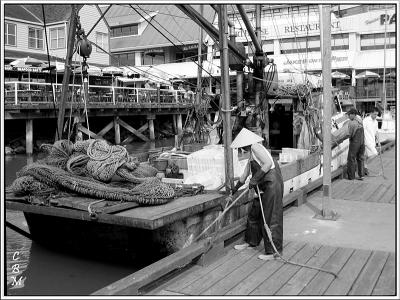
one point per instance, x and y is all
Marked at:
(86, 168)
(150, 192)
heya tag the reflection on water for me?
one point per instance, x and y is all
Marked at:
(35, 270)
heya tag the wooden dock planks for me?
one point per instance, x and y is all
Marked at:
(178, 285)
(264, 271)
(349, 273)
(231, 280)
(370, 274)
(305, 275)
(201, 284)
(322, 280)
(360, 272)
(386, 284)
(274, 283)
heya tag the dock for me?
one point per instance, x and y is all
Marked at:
(361, 253)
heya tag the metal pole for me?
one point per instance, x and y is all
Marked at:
(384, 65)
(239, 88)
(225, 95)
(208, 27)
(325, 27)
(199, 60)
(67, 71)
(249, 27)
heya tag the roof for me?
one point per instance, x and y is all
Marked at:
(53, 12)
(17, 11)
(179, 28)
(34, 13)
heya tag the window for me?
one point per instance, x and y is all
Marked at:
(377, 41)
(102, 41)
(35, 38)
(124, 30)
(340, 41)
(10, 34)
(123, 59)
(57, 38)
(300, 45)
(268, 47)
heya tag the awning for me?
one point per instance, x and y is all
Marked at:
(367, 74)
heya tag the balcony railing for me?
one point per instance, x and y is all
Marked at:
(365, 92)
(18, 92)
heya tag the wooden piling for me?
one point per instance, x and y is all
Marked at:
(174, 124)
(179, 124)
(29, 136)
(151, 118)
(117, 131)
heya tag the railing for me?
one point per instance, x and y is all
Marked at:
(365, 92)
(18, 92)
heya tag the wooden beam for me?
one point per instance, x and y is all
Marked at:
(88, 132)
(133, 130)
(130, 138)
(106, 129)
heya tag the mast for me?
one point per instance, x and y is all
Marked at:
(225, 95)
(67, 71)
(325, 28)
(199, 60)
(384, 65)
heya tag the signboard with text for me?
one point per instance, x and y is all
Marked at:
(287, 26)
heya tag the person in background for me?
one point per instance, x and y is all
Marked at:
(147, 85)
(266, 175)
(370, 136)
(356, 146)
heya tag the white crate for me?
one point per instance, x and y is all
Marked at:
(287, 186)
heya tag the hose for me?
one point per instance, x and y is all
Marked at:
(269, 234)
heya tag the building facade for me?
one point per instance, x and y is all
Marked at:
(291, 36)
(24, 32)
(153, 34)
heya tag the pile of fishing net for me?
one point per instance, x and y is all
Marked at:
(88, 168)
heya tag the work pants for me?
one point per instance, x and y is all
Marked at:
(273, 211)
(356, 155)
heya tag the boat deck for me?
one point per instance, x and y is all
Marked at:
(361, 270)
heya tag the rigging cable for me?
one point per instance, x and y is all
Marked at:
(169, 39)
(48, 59)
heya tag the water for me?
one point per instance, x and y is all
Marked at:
(33, 270)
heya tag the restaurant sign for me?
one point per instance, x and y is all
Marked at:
(190, 47)
(25, 69)
(154, 51)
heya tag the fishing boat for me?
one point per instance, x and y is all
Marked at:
(141, 215)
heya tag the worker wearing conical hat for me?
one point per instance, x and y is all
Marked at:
(266, 174)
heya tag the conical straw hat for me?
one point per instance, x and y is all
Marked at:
(245, 138)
